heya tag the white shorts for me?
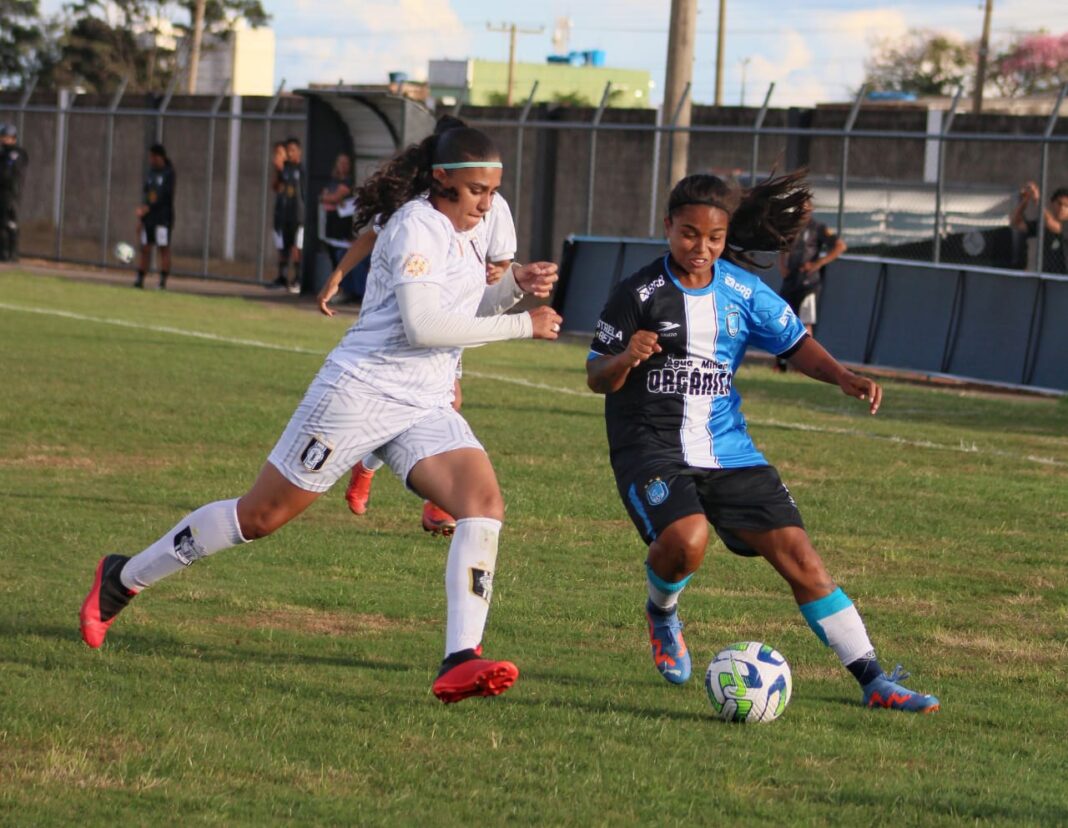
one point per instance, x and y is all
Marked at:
(161, 236)
(339, 422)
(807, 311)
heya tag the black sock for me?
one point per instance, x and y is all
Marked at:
(865, 669)
(163, 274)
(140, 280)
(459, 657)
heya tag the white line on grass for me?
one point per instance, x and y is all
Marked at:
(256, 343)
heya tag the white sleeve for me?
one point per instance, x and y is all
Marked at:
(500, 232)
(428, 326)
(498, 298)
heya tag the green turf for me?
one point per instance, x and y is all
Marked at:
(289, 680)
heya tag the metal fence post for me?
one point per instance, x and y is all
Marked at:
(845, 155)
(758, 124)
(109, 151)
(593, 156)
(654, 178)
(516, 196)
(66, 101)
(940, 185)
(671, 131)
(215, 106)
(1040, 235)
(24, 101)
(266, 163)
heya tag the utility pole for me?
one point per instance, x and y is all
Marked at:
(745, 65)
(194, 50)
(721, 35)
(984, 49)
(681, 34)
(513, 30)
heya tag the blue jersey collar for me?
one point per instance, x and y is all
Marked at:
(692, 291)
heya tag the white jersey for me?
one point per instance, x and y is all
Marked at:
(417, 242)
(499, 230)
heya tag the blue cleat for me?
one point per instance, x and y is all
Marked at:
(670, 655)
(885, 691)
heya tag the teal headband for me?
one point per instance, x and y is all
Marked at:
(463, 165)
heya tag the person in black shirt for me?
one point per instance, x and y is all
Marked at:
(13, 160)
(338, 208)
(1055, 242)
(289, 216)
(155, 214)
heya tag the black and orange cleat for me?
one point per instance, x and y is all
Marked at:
(465, 674)
(105, 600)
(359, 490)
(437, 521)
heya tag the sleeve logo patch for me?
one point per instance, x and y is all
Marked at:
(315, 454)
(416, 265)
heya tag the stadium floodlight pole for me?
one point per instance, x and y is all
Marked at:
(513, 30)
(516, 200)
(680, 52)
(109, 147)
(721, 37)
(210, 175)
(940, 177)
(758, 124)
(593, 156)
(672, 177)
(271, 107)
(844, 170)
(1043, 176)
(984, 52)
(24, 101)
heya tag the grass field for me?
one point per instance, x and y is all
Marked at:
(289, 680)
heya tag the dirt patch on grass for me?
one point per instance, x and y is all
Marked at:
(321, 622)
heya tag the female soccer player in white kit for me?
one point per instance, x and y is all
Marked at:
(387, 387)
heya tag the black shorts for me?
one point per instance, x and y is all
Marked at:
(753, 498)
(288, 234)
(155, 232)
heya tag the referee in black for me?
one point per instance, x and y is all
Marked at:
(155, 214)
(13, 160)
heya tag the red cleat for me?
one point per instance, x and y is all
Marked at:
(437, 521)
(475, 677)
(105, 600)
(359, 490)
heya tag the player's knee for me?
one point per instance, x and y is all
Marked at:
(486, 502)
(682, 545)
(258, 521)
(808, 564)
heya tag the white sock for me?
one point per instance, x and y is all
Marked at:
(838, 624)
(469, 581)
(372, 462)
(206, 531)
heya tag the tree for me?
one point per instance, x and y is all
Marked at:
(923, 63)
(1032, 65)
(26, 48)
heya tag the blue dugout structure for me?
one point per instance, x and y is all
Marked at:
(970, 323)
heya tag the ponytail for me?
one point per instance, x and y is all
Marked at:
(765, 217)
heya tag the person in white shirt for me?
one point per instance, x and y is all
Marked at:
(387, 387)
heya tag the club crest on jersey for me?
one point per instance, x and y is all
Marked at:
(734, 323)
(315, 454)
(482, 583)
(186, 548)
(416, 265)
(656, 491)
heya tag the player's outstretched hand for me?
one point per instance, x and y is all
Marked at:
(328, 292)
(546, 322)
(642, 345)
(536, 278)
(863, 389)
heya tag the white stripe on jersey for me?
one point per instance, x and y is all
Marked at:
(695, 434)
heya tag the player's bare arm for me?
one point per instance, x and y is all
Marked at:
(812, 360)
(606, 374)
(360, 249)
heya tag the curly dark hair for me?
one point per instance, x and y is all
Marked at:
(409, 173)
(766, 217)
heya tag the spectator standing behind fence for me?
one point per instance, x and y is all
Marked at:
(815, 247)
(1055, 253)
(155, 215)
(13, 160)
(338, 207)
(289, 216)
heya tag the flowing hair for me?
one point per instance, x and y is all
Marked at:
(765, 217)
(409, 173)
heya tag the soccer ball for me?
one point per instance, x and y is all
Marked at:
(748, 682)
(124, 252)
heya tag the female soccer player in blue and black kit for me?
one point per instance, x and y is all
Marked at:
(667, 346)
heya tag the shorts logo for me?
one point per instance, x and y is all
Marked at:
(315, 454)
(734, 322)
(656, 492)
(416, 265)
(186, 549)
(482, 583)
